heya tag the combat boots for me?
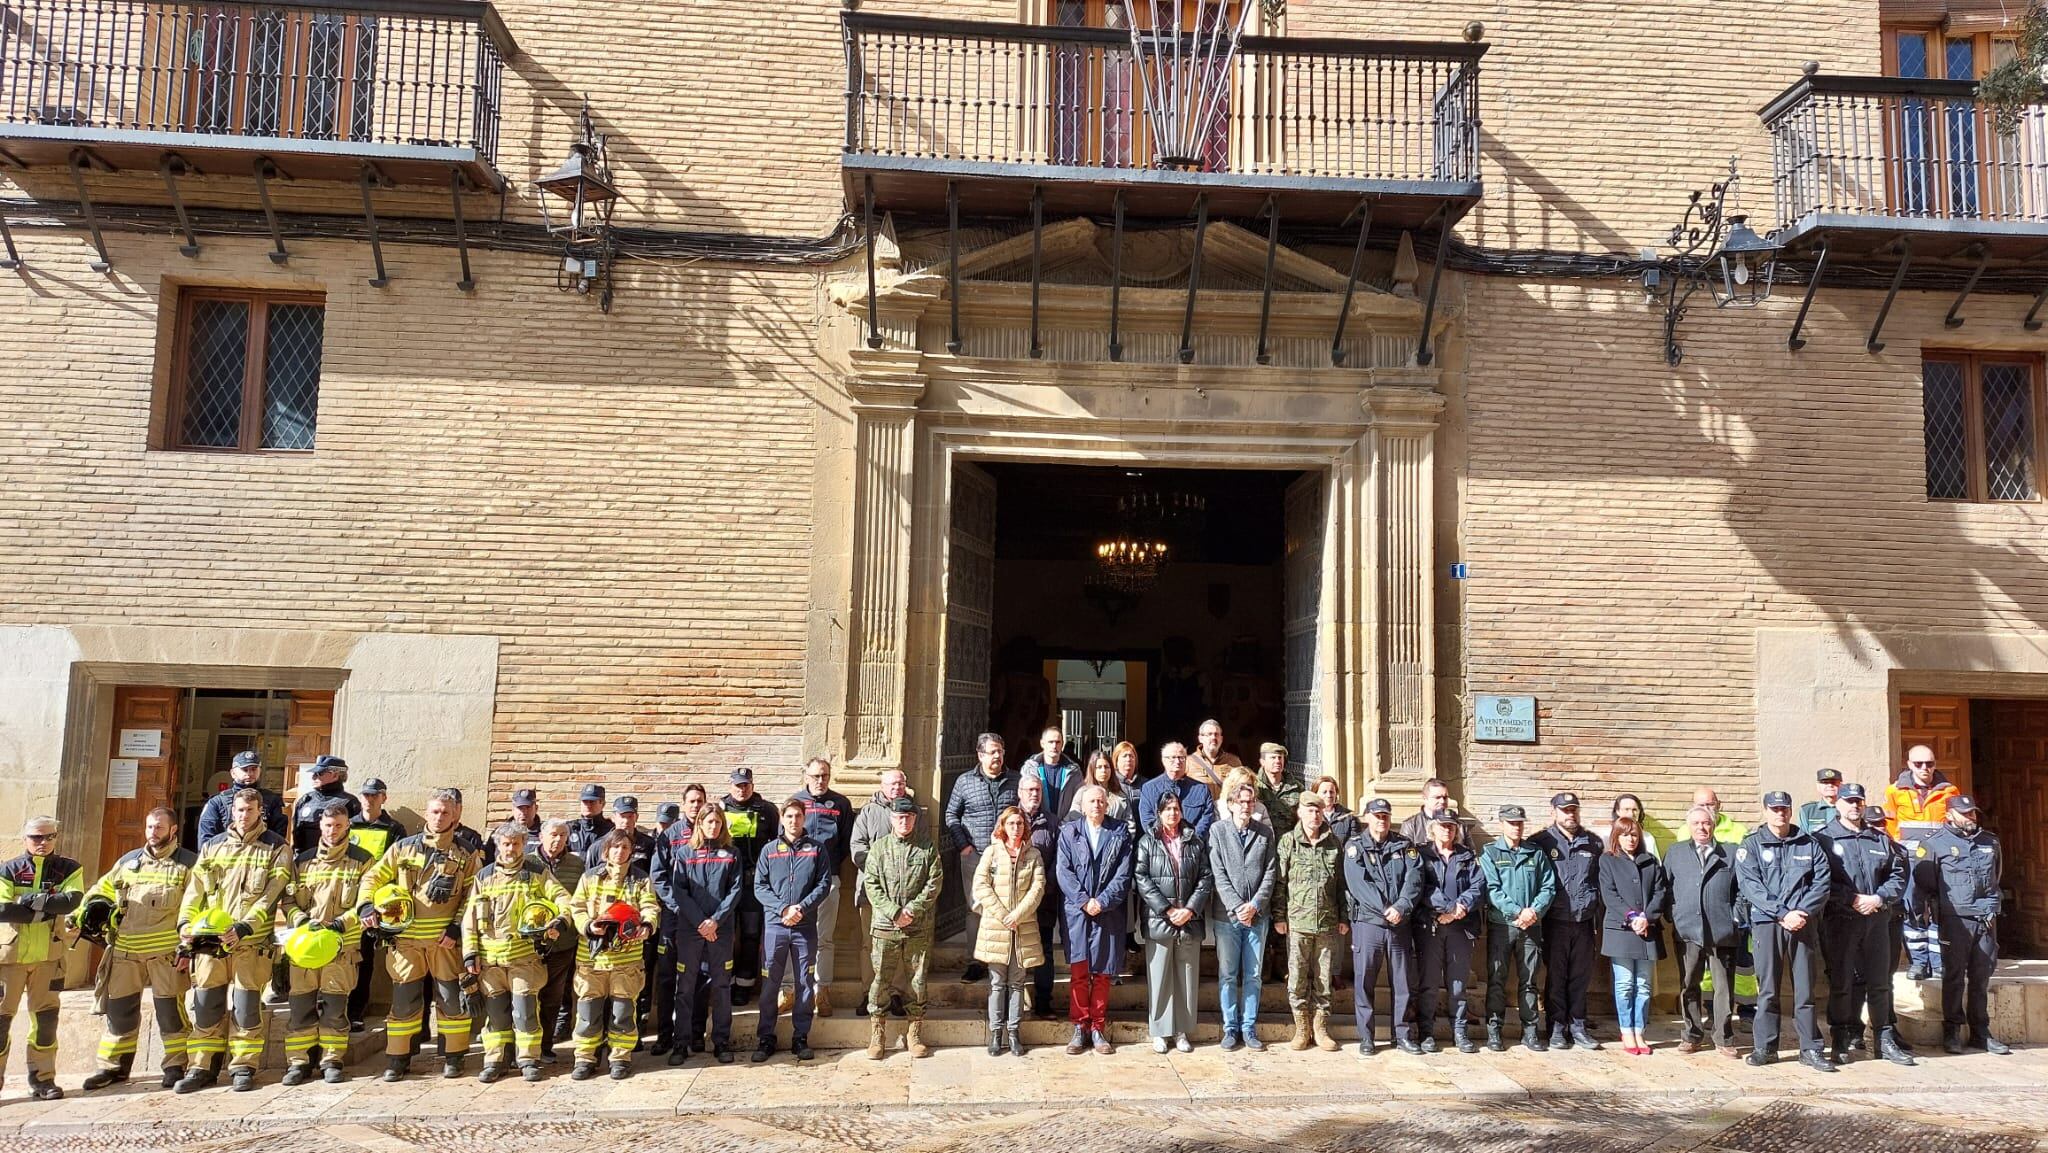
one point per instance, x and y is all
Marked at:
(913, 1039)
(1302, 1039)
(1321, 1027)
(877, 1039)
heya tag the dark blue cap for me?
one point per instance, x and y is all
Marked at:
(247, 758)
(1379, 805)
(524, 797)
(1777, 800)
(1851, 792)
(593, 792)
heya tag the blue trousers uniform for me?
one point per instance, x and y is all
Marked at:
(1372, 947)
(781, 947)
(703, 985)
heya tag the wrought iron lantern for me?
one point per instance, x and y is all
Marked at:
(1749, 265)
(1714, 250)
(576, 201)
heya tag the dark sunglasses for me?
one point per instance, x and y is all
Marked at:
(40, 837)
(1921, 764)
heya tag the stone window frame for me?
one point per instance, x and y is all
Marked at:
(175, 387)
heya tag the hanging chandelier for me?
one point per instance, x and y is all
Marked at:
(1128, 565)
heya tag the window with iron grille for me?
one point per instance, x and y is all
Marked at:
(245, 372)
(1982, 422)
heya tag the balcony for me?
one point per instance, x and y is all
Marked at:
(999, 111)
(1867, 162)
(319, 88)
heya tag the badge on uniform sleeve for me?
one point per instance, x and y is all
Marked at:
(1919, 850)
(1555, 855)
(1742, 854)
(1955, 850)
(1351, 851)
(1412, 854)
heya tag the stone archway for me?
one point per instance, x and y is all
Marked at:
(918, 409)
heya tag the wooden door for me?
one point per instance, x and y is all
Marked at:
(1942, 724)
(140, 709)
(309, 733)
(271, 72)
(1098, 107)
(2012, 771)
(1301, 632)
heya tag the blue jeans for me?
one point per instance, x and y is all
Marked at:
(1240, 958)
(1632, 990)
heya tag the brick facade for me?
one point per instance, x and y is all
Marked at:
(649, 509)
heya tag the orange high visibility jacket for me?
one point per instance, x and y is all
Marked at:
(1904, 804)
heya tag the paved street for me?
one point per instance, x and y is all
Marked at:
(963, 1100)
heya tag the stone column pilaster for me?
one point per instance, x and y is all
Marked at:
(885, 386)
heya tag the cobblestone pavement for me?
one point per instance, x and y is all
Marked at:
(1136, 1101)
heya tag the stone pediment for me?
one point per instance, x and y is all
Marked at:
(1078, 253)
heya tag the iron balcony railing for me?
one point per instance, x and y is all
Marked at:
(1007, 94)
(402, 73)
(1904, 149)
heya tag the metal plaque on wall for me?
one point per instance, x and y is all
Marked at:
(1508, 719)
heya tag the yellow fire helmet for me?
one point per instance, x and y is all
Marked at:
(312, 947)
(394, 909)
(537, 916)
(206, 926)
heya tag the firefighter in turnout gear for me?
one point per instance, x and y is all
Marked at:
(143, 891)
(241, 877)
(38, 889)
(615, 911)
(431, 871)
(322, 913)
(515, 905)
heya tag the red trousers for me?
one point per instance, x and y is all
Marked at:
(1088, 995)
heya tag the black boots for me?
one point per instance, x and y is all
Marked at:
(44, 1089)
(395, 1068)
(199, 1078)
(114, 1076)
(1892, 1049)
(1494, 1041)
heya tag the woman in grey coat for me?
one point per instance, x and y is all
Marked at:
(1173, 882)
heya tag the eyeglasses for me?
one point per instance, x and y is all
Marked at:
(1921, 764)
(39, 838)
(1181, 757)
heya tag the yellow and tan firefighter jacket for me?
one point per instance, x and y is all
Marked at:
(436, 869)
(146, 890)
(490, 922)
(326, 880)
(247, 876)
(594, 894)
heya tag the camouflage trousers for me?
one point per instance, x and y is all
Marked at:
(899, 971)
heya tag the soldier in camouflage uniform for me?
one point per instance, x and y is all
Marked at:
(901, 881)
(1310, 900)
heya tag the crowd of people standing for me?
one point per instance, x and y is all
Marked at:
(597, 931)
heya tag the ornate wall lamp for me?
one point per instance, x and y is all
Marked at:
(583, 194)
(1715, 251)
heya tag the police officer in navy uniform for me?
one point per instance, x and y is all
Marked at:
(1382, 888)
(526, 814)
(1570, 927)
(1866, 883)
(328, 773)
(1782, 871)
(247, 773)
(1960, 868)
(586, 829)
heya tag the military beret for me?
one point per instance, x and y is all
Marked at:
(903, 804)
(1272, 747)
